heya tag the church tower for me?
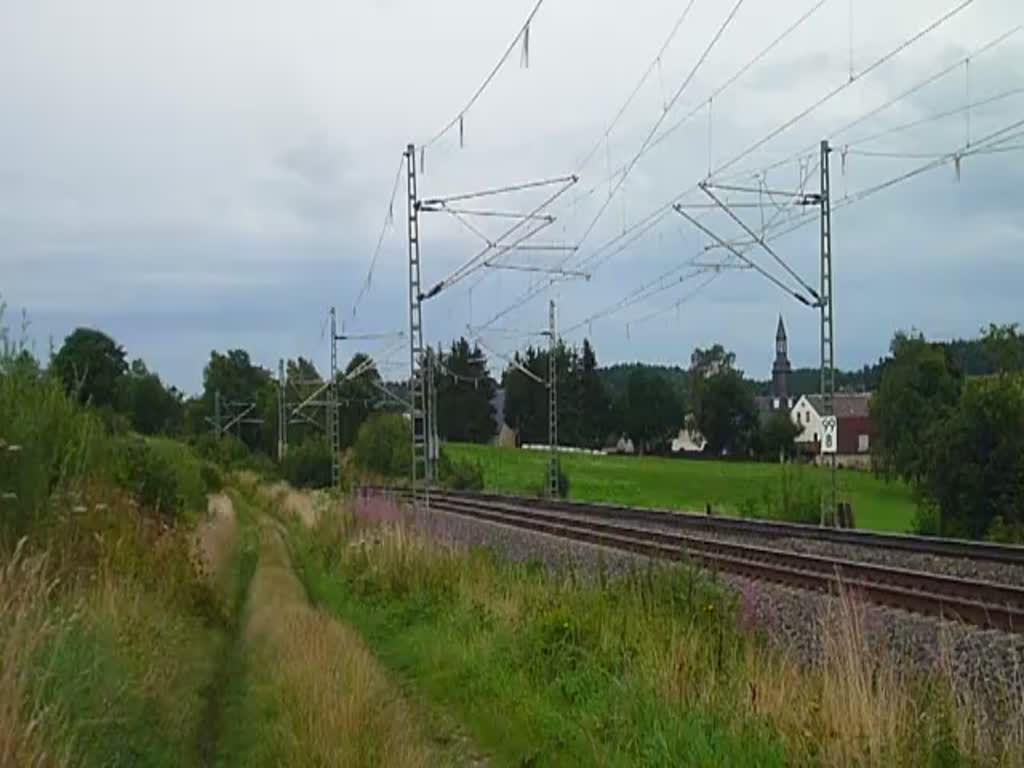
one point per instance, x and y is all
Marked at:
(781, 367)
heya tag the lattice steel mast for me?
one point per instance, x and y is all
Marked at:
(552, 404)
(420, 471)
(828, 373)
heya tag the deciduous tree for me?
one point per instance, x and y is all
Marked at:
(919, 388)
(91, 365)
(777, 436)
(653, 410)
(722, 402)
(974, 460)
(151, 407)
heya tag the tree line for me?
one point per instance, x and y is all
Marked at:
(956, 438)
(713, 398)
(969, 356)
(650, 405)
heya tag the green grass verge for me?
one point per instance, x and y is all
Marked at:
(129, 671)
(543, 672)
(137, 659)
(679, 484)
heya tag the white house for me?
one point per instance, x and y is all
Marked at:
(623, 445)
(689, 440)
(806, 416)
(853, 426)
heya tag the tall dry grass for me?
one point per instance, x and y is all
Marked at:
(856, 705)
(27, 726)
(303, 505)
(336, 705)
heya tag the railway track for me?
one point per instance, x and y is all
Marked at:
(1005, 554)
(981, 603)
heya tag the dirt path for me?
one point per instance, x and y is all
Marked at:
(302, 688)
(341, 710)
(215, 537)
(215, 546)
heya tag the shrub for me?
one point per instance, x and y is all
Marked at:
(229, 453)
(460, 474)
(308, 465)
(162, 475)
(795, 497)
(926, 518)
(383, 445)
(150, 481)
(563, 483)
(212, 477)
(1002, 533)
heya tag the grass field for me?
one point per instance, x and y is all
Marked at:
(730, 487)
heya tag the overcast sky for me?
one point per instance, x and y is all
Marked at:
(191, 176)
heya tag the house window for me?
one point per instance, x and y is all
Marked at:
(863, 443)
(815, 437)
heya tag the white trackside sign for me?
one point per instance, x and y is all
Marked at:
(829, 434)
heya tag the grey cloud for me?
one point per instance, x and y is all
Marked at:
(184, 199)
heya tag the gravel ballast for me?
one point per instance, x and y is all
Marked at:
(960, 567)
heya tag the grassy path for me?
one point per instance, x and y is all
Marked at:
(303, 688)
(232, 563)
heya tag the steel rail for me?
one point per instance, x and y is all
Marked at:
(985, 604)
(1008, 554)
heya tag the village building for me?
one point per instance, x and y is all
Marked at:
(504, 435)
(851, 410)
(853, 424)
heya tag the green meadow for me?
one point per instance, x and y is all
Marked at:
(729, 487)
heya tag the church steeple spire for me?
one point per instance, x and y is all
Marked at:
(781, 367)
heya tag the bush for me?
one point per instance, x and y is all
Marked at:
(162, 475)
(776, 437)
(926, 518)
(1002, 533)
(213, 478)
(308, 465)
(231, 454)
(382, 445)
(563, 483)
(795, 497)
(460, 474)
